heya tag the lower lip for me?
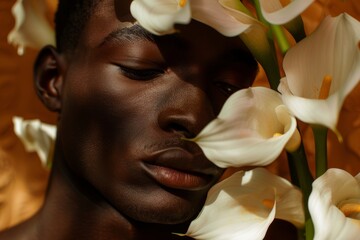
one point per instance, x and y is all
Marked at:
(176, 179)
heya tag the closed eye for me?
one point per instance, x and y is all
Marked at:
(140, 74)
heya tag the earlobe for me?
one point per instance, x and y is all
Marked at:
(48, 76)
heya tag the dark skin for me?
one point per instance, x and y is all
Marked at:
(121, 168)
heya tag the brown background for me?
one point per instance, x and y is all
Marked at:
(22, 178)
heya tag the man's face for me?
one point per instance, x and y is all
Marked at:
(127, 104)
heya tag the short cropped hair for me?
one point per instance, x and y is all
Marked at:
(70, 20)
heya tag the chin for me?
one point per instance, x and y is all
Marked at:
(174, 210)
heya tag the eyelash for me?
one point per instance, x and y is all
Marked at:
(226, 88)
(140, 74)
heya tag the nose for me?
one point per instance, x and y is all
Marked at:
(186, 110)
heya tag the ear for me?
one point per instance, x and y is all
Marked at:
(48, 76)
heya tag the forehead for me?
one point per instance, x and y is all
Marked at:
(102, 21)
(110, 16)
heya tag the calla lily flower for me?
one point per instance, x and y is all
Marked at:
(160, 16)
(32, 29)
(37, 137)
(244, 205)
(274, 12)
(334, 205)
(322, 70)
(252, 129)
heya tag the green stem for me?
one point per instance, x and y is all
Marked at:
(261, 17)
(320, 136)
(271, 69)
(301, 176)
(264, 53)
(268, 58)
(293, 170)
(309, 229)
(281, 38)
(298, 160)
(274, 30)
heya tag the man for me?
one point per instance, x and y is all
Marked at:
(126, 99)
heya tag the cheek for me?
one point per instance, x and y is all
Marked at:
(102, 118)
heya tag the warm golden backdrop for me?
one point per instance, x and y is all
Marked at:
(23, 179)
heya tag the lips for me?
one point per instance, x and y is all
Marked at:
(177, 168)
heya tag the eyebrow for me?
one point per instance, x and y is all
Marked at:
(135, 32)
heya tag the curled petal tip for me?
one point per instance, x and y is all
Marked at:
(275, 13)
(294, 142)
(20, 50)
(338, 135)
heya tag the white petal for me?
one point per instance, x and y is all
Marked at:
(290, 207)
(328, 191)
(331, 50)
(275, 13)
(243, 206)
(37, 137)
(243, 133)
(159, 16)
(32, 29)
(212, 13)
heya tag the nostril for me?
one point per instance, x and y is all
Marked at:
(181, 124)
(179, 128)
